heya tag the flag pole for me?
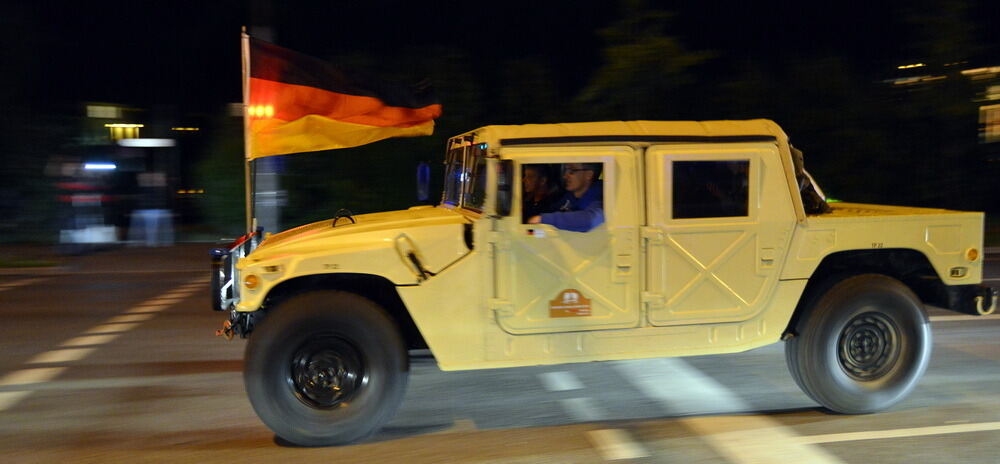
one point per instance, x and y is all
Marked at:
(248, 190)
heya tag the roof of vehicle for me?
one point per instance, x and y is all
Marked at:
(642, 131)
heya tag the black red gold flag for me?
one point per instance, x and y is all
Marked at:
(297, 103)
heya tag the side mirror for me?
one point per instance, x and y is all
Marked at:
(505, 187)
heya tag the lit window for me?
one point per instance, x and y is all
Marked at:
(989, 120)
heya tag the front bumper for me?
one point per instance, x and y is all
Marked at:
(225, 276)
(225, 288)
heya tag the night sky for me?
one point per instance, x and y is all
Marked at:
(187, 52)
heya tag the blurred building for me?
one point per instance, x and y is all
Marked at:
(984, 85)
(130, 143)
(989, 99)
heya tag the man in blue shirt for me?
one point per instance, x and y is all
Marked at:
(582, 207)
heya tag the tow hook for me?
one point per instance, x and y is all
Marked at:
(980, 299)
(227, 330)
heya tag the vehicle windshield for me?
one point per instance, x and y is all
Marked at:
(465, 174)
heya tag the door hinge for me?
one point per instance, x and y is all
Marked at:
(501, 307)
(499, 239)
(653, 235)
(652, 300)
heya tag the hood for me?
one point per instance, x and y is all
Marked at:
(843, 209)
(418, 216)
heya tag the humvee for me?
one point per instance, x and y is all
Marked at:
(713, 240)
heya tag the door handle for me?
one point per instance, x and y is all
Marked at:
(624, 253)
(766, 257)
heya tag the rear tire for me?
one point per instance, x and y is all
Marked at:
(862, 344)
(326, 368)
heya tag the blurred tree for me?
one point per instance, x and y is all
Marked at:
(942, 31)
(828, 109)
(31, 140)
(868, 140)
(220, 171)
(645, 71)
(526, 93)
(20, 58)
(29, 135)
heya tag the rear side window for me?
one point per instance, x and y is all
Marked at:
(707, 189)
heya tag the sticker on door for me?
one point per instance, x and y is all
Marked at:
(569, 303)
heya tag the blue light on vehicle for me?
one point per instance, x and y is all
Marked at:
(99, 166)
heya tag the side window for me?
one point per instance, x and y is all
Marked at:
(573, 188)
(476, 194)
(706, 189)
(453, 181)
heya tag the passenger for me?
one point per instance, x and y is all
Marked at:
(581, 208)
(541, 192)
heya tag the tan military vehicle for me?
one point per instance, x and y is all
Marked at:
(697, 238)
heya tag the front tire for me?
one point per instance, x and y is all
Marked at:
(862, 344)
(326, 368)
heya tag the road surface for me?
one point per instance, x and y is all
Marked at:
(108, 361)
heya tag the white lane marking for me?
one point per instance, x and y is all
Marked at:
(20, 283)
(34, 375)
(560, 381)
(61, 356)
(992, 279)
(146, 309)
(583, 409)
(900, 433)
(167, 271)
(756, 440)
(680, 387)
(173, 297)
(90, 340)
(963, 318)
(164, 300)
(69, 385)
(9, 399)
(616, 444)
(130, 318)
(748, 440)
(111, 328)
(26, 281)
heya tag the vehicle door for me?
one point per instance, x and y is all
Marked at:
(719, 224)
(552, 280)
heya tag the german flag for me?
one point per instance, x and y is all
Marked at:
(297, 103)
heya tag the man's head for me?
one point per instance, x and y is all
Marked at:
(534, 179)
(578, 177)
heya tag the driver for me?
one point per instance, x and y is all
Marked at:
(581, 208)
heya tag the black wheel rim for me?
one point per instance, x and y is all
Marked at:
(868, 346)
(327, 372)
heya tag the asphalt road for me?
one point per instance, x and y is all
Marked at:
(111, 362)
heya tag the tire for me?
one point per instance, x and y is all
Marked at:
(862, 345)
(326, 368)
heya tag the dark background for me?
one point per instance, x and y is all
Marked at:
(825, 73)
